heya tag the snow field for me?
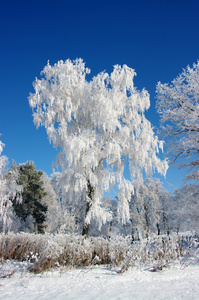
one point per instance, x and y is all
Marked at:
(101, 282)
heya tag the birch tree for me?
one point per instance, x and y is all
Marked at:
(178, 106)
(99, 126)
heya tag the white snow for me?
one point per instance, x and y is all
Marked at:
(100, 282)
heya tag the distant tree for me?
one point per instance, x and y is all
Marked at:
(49, 198)
(74, 212)
(58, 217)
(99, 126)
(178, 106)
(136, 213)
(146, 208)
(163, 225)
(183, 209)
(33, 192)
(8, 190)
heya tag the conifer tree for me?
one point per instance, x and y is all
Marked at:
(32, 194)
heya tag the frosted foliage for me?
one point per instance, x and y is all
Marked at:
(99, 125)
(8, 190)
(58, 218)
(50, 197)
(183, 209)
(146, 206)
(178, 106)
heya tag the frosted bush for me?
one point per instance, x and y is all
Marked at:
(157, 252)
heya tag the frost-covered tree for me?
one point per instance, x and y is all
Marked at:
(183, 209)
(49, 200)
(164, 196)
(146, 208)
(74, 212)
(8, 190)
(136, 213)
(31, 207)
(178, 106)
(155, 203)
(99, 125)
(58, 218)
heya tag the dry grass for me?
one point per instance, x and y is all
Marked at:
(158, 252)
(45, 252)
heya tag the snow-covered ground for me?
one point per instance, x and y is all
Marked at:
(99, 282)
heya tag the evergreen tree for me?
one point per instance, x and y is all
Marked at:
(32, 194)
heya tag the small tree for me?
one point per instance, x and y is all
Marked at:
(8, 190)
(32, 194)
(178, 107)
(99, 126)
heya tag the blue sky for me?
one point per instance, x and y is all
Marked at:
(157, 38)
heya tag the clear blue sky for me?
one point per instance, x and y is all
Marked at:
(157, 38)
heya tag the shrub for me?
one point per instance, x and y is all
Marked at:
(45, 252)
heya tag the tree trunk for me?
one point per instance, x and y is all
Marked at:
(90, 192)
(110, 230)
(132, 235)
(147, 222)
(158, 228)
(86, 225)
(138, 235)
(35, 228)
